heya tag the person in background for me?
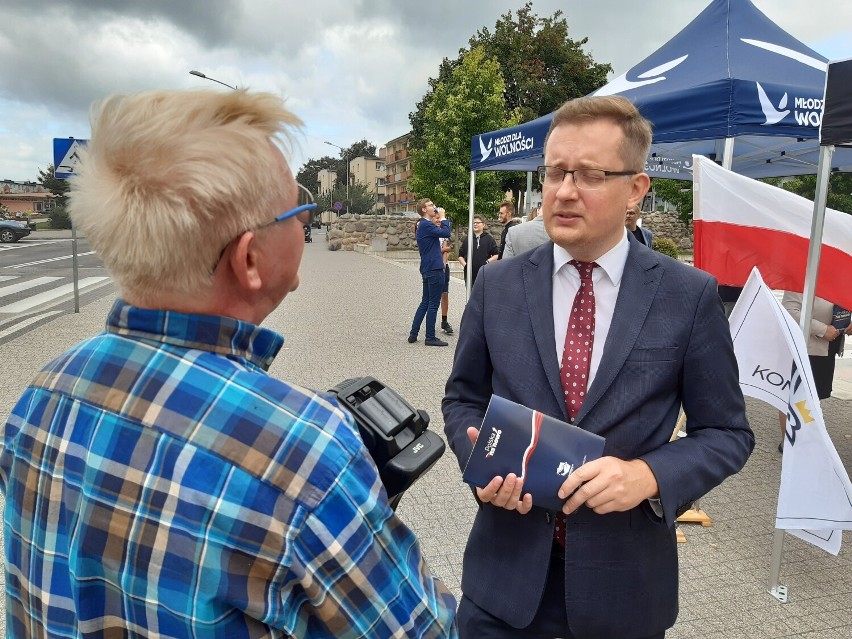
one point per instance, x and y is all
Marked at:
(595, 329)
(644, 235)
(484, 249)
(445, 295)
(507, 219)
(534, 213)
(829, 327)
(729, 296)
(525, 237)
(432, 269)
(158, 481)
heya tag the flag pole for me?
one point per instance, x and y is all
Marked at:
(814, 249)
(469, 257)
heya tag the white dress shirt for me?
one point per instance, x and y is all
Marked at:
(606, 279)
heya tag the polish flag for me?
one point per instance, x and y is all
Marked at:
(741, 223)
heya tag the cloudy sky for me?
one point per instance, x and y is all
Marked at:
(350, 69)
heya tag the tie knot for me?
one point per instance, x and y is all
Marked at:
(584, 268)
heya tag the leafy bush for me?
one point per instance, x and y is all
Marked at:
(665, 246)
(59, 218)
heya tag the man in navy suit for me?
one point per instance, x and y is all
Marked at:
(659, 340)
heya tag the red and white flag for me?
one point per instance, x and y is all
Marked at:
(741, 223)
(815, 498)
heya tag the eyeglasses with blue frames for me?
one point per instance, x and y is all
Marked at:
(584, 179)
(304, 212)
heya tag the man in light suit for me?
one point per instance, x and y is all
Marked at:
(660, 339)
(524, 237)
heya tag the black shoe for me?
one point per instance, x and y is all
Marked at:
(435, 342)
(412, 339)
(445, 326)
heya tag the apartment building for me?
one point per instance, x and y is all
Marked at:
(370, 170)
(326, 179)
(398, 199)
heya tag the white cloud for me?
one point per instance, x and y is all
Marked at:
(350, 70)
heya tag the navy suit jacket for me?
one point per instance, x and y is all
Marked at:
(669, 344)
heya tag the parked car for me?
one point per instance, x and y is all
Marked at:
(12, 230)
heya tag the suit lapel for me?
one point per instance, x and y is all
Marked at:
(639, 284)
(538, 287)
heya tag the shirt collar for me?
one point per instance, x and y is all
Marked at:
(222, 335)
(612, 262)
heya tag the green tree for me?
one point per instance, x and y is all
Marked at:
(839, 195)
(678, 193)
(357, 150)
(417, 118)
(469, 102)
(59, 218)
(307, 175)
(542, 67)
(361, 198)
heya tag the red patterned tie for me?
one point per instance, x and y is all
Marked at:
(577, 356)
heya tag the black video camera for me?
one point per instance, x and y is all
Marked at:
(394, 433)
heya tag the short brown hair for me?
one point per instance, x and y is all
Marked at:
(421, 204)
(616, 109)
(509, 205)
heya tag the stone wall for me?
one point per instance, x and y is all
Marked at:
(385, 232)
(668, 224)
(396, 233)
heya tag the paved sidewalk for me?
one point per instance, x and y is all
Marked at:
(351, 316)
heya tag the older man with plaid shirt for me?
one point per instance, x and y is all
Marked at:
(158, 482)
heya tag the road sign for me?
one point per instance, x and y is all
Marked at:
(65, 156)
(338, 205)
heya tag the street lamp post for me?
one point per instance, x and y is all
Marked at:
(207, 77)
(347, 171)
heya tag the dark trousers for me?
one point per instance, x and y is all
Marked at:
(550, 622)
(433, 286)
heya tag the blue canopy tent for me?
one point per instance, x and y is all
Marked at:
(730, 73)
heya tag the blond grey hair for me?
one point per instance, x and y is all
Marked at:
(168, 178)
(616, 109)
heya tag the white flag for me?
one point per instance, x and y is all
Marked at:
(815, 499)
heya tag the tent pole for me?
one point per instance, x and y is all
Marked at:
(528, 201)
(815, 246)
(469, 258)
(728, 154)
(814, 249)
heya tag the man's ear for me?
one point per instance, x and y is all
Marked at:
(243, 260)
(638, 188)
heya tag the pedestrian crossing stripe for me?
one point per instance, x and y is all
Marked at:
(27, 322)
(17, 288)
(22, 306)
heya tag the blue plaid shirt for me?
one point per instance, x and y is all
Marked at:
(159, 482)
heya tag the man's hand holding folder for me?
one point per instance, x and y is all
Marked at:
(558, 464)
